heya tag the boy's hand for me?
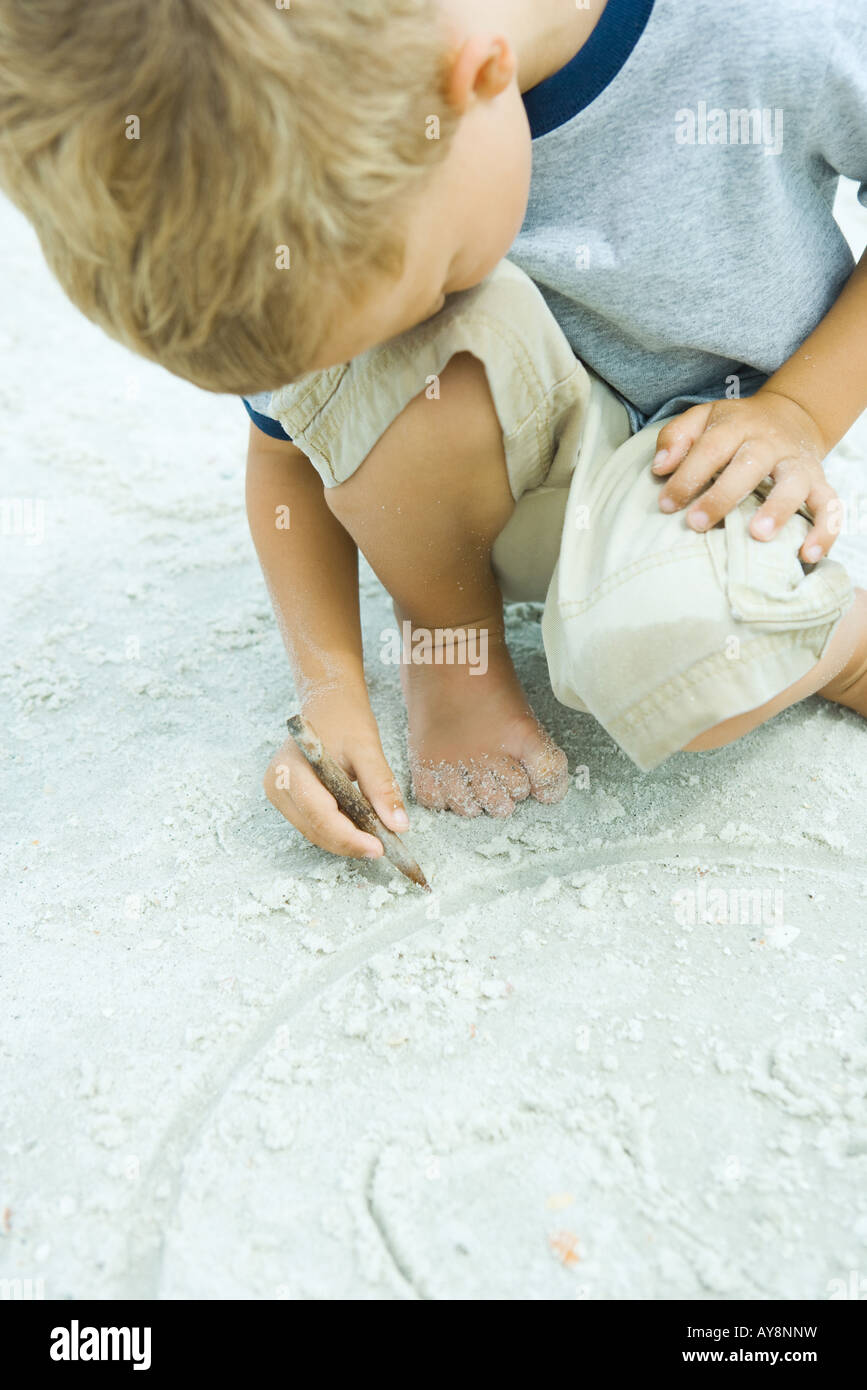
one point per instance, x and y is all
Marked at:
(767, 434)
(348, 730)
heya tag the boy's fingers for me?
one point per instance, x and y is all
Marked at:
(379, 785)
(298, 795)
(825, 506)
(711, 452)
(788, 494)
(677, 437)
(734, 483)
(330, 829)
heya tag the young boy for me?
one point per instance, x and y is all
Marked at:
(322, 196)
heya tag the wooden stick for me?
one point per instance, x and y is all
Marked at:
(351, 799)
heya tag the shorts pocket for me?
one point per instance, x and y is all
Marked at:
(765, 582)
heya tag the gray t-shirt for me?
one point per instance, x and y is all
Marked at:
(685, 163)
(680, 225)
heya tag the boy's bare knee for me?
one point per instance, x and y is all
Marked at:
(730, 730)
(445, 446)
(839, 674)
(716, 737)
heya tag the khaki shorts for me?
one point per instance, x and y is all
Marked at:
(658, 631)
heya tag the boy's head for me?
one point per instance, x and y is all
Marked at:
(245, 193)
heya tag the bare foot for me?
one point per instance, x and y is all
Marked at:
(474, 743)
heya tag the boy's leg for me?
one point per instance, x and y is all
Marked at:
(425, 508)
(840, 675)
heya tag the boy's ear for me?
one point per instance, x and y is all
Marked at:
(484, 67)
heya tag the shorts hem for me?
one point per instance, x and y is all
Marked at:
(721, 688)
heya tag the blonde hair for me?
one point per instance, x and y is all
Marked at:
(258, 128)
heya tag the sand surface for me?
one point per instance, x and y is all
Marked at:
(233, 1066)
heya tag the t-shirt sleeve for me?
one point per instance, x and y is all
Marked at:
(266, 423)
(840, 114)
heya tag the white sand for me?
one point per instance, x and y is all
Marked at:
(233, 1066)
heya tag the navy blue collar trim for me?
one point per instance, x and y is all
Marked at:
(562, 95)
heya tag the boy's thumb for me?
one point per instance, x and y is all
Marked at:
(379, 785)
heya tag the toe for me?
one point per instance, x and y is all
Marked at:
(459, 791)
(548, 773)
(513, 778)
(464, 804)
(428, 789)
(490, 792)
